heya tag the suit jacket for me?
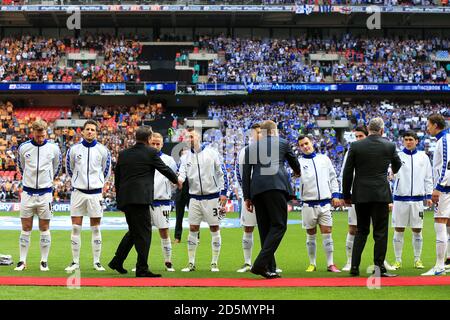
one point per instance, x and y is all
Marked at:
(134, 175)
(369, 159)
(264, 167)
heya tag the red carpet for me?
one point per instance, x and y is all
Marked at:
(222, 282)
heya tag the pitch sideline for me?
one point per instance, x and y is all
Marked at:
(226, 282)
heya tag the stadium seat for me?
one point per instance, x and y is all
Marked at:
(45, 113)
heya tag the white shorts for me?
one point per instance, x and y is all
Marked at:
(204, 210)
(160, 216)
(407, 214)
(82, 204)
(40, 205)
(312, 216)
(248, 219)
(442, 210)
(352, 221)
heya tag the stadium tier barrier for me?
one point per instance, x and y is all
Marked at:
(230, 88)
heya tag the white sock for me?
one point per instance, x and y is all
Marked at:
(24, 244)
(349, 247)
(166, 246)
(398, 245)
(76, 242)
(216, 244)
(448, 242)
(417, 245)
(441, 244)
(247, 246)
(96, 243)
(328, 246)
(311, 248)
(46, 241)
(192, 245)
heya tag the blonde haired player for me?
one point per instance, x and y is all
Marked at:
(39, 162)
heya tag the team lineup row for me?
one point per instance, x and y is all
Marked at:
(89, 165)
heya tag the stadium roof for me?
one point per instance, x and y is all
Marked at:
(221, 16)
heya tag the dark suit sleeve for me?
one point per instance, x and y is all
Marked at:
(347, 178)
(396, 163)
(292, 159)
(246, 174)
(117, 175)
(163, 168)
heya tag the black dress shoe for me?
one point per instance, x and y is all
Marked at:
(258, 271)
(388, 275)
(118, 267)
(265, 273)
(354, 272)
(147, 274)
(274, 275)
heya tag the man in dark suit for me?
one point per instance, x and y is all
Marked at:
(369, 160)
(134, 175)
(266, 186)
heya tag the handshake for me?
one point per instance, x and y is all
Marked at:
(179, 184)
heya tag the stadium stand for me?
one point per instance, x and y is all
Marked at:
(117, 126)
(32, 58)
(115, 59)
(353, 59)
(280, 50)
(119, 122)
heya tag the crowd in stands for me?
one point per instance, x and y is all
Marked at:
(359, 60)
(34, 58)
(117, 127)
(296, 118)
(118, 124)
(356, 59)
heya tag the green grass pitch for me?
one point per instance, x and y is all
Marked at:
(291, 257)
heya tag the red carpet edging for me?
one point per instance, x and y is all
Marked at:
(225, 282)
